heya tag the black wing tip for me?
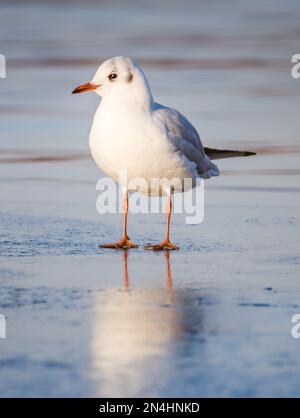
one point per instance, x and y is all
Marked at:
(216, 154)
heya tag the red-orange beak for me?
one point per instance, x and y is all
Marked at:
(85, 87)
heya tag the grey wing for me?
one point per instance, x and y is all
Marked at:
(185, 139)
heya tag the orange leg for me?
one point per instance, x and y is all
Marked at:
(165, 244)
(124, 242)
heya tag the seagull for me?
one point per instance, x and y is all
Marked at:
(132, 132)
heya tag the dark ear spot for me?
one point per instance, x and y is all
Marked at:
(129, 78)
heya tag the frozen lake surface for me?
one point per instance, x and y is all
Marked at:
(213, 319)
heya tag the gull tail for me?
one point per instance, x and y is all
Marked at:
(215, 154)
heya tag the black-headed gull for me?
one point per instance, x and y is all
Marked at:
(132, 132)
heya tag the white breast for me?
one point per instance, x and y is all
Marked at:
(131, 142)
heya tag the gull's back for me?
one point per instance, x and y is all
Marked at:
(184, 138)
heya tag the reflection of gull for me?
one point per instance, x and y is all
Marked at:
(135, 332)
(147, 140)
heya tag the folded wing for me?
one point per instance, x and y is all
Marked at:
(185, 138)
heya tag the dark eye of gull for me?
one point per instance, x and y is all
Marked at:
(112, 76)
